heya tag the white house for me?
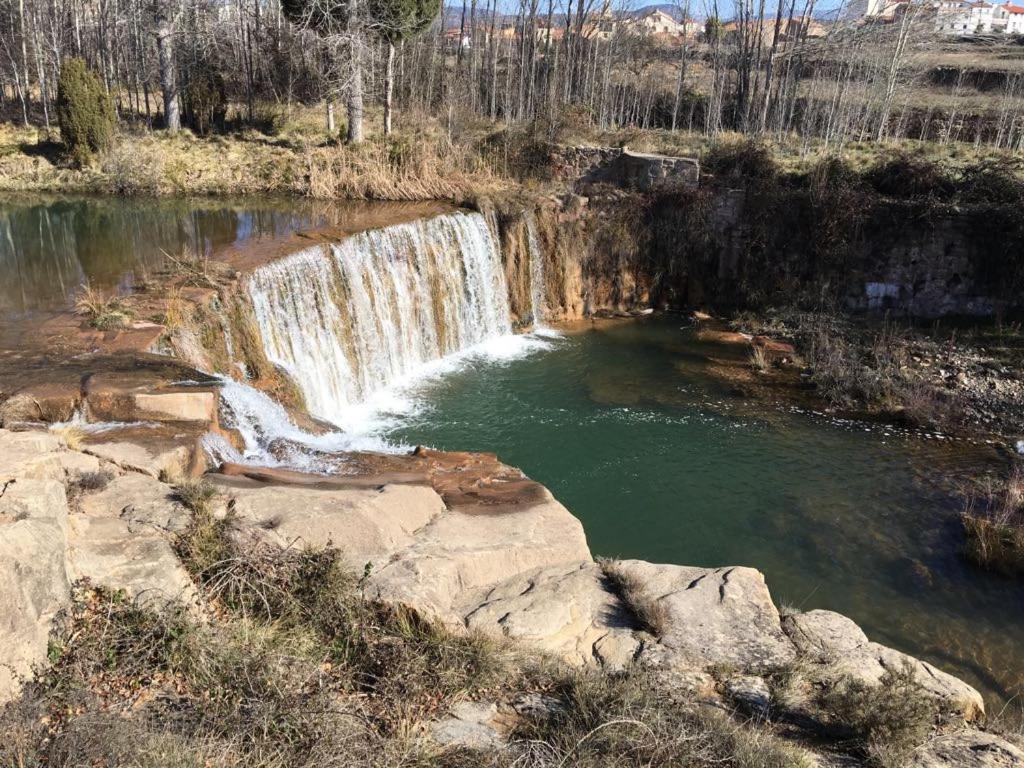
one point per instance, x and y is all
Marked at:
(658, 22)
(970, 18)
(1014, 19)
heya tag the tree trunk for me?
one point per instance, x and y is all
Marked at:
(24, 62)
(389, 87)
(355, 93)
(330, 117)
(168, 80)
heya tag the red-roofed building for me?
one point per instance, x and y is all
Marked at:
(1014, 19)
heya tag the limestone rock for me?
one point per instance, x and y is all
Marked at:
(121, 554)
(33, 579)
(565, 610)
(50, 403)
(842, 648)
(471, 725)
(967, 749)
(751, 693)
(29, 454)
(199, 405)
(138, 499)
(715, 616)
(366, 524)
(460, 551)
(137, 458)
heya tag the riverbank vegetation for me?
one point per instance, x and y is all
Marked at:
(993, 519)
(956, 377)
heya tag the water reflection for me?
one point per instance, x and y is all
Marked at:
(49, 247)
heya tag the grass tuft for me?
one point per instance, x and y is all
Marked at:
(993, 520)
(649, 613)
(104, 313)
(71, 435)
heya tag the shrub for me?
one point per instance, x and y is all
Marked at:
(883, 722)
(204, 101)
(105, 314)
(84, 111)
(745, 160)
(908, 177)
(628, 720)
(993, 519)
(991, 183)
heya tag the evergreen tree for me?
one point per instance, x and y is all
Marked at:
(398, 20)
(84, 111)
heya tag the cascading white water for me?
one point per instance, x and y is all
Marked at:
(348, 321)
(538, 306)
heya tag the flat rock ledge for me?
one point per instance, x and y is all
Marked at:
(519, 569)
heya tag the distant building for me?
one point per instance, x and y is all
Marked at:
(656, 21)
(1014, 19)
(975, 17)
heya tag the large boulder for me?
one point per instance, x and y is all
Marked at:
(154, 459)
(138, 499)
(29, 455)
(365, 524)
(34, 583)
(462, 551)
(136, 558)
(841, 650)
(566, 610)
(967, 749)
(50, 402)
(714, 617)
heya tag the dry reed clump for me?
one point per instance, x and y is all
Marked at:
(649, 613)
(103, 312)
(883, 723)
(71, 435)
(596, 719)
(406, 168)
(993, 520)
(760, 360)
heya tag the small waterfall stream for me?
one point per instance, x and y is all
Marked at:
(350, 320)
(537, 285)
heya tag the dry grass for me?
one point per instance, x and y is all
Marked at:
(105, 313)
(883, 723)
(649, 613)
(196, 494)
(993, 519)
(71, 435)
(625, 720)
(760, 360)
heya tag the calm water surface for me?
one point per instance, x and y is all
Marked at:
(630, 431)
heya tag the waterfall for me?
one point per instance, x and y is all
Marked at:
(537, 290)
(349, 320)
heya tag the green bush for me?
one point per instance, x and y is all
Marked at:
(84, 111)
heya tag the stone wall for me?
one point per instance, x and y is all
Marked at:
(621, 167)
